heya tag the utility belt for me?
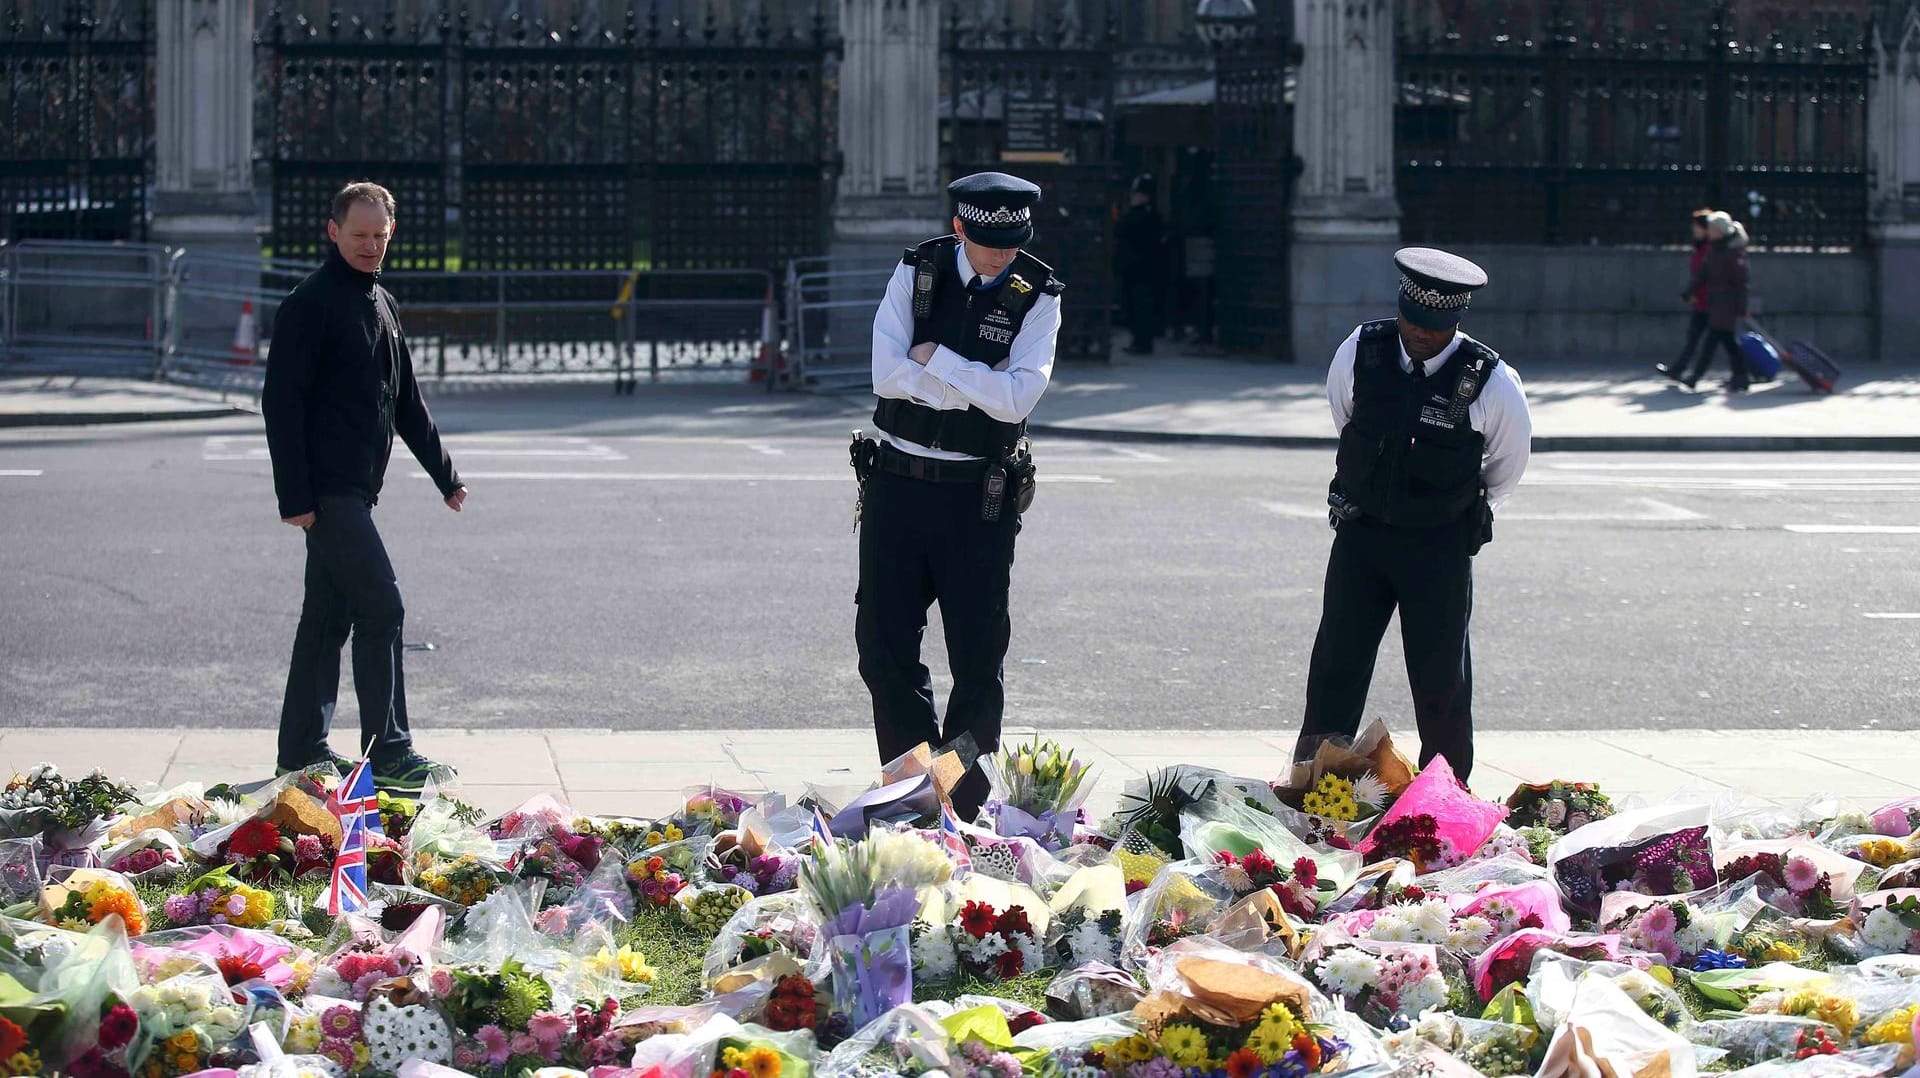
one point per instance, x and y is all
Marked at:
(1010, 479)
(1478, 516)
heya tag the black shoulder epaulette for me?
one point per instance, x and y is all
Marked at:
(1379, 327)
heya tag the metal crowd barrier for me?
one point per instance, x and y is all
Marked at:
(207, 318)
(829, 320)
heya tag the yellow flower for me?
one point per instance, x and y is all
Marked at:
(1184, 1045)
(763, 1063)
(1895, 1028)
(304, 1036)
(731, 1057)
(1134, 1049)
(25, 1061)
(1270, 1041)
(1836, 1011)
(627, 964)
(1137, 866)
(1780, 952)
(674, 834)
(183, 1041)
(362, 1054)
(655, 838)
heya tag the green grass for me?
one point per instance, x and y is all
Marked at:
(674, 950)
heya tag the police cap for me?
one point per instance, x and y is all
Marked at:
(995, 209)
(1435, 286)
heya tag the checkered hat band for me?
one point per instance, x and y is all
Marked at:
(1000, 218)
(1427, 297)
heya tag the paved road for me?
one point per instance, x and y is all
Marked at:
(615, 580)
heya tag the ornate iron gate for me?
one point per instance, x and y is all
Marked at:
(1570, 125)
(1035, 99)
(76, 120)
(1253, 177)
(520, 145)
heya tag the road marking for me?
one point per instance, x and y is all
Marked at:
(1655, 512)
(1731, 466)
(1855, 529)
(1900, 616)
(1827, 484)
(21, 473)
(714, 477)
(762, 448)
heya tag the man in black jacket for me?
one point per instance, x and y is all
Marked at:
(339, 384)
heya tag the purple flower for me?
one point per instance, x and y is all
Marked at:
(180, 909)
(494, 1040)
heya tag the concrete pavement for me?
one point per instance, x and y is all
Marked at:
(647, 773)
(1171, 397)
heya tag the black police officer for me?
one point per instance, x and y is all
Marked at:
(1434, 433)
(962, 349)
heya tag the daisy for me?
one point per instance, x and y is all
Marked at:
(1349, 972)
(1370, 791)
(1802, 874)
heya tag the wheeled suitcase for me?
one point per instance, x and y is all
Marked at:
(1806, 359)
(1763, 359)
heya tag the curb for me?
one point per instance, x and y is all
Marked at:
(92, 419)
(1708, 443)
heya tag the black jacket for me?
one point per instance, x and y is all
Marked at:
(339, 385)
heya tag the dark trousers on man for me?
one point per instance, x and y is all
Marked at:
(923, 542)
(1696, 329)
(1722, 340)
(1140, 300)
(1427, 574)
(350, 588)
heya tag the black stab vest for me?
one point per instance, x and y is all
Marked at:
(979, 326)
(1409, 456)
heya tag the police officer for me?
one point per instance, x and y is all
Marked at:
(1434, 434)
(1140, 260)
(962, 349)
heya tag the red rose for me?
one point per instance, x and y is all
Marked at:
(1012, 921)
(1010, 965)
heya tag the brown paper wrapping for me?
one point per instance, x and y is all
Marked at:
(296, 812)
(946, 769)
(1255, 920)
(767, 969)
(167, 817)
(1221, 993)
(1373, 751)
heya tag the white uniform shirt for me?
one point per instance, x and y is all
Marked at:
(1499, 414)
(950, 381)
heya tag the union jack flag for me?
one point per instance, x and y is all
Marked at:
(347, 890)
(356, 797)
(954, 841)
(822, 834)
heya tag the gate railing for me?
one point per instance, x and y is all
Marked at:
(143, 310)
(828, 321)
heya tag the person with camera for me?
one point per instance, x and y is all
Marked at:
(963, 346)
(1434, 435)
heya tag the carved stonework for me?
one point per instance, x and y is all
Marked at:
(889, 98)
(1343, 109)
(204, 84)
(1893, 116)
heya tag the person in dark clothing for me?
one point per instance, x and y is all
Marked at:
(1696, 298)
(1139, 259)
(339, 385)
(1722, 280)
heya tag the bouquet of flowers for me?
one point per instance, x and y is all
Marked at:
(218, 899)
(1298, 888)
(262, 853)
(795, 1004)
(998, 944)
(764, 874)
(866, 897)
(707, 909)
(1400, 980)
(183, 1021)
(1346, 800)
(1436, 822)
(1430, 921)
(1807, 890)
(1150, 812)
(1652, 859)
(1038, 789)
(464, 879)
(1892, 926)
(1089, 937)
(654, 881)
(152, 856)
(1279, 1042)
(1558, 806)
(43, 800)
(85, 897)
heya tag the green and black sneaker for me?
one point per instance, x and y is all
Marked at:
(340, 765)
(406, 776)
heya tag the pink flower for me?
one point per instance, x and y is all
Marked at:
(468, 1056)
(494, 1040)
(339, 1021)
(1802, 874)
(1659, 923)
(340, 1051)
(523, 1044)
(441, 983)
(307, 848)
(549, 1029)
(1891, 822)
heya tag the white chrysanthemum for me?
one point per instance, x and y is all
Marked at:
(1424, 994)
(1089, 943)
(1436, 1027)
(222, 812)
(1391, 926)
(1430, 922)
(1694, 938)
(1884, 933)
(1368, 790)
(1470, 934)
(934, 957)
(1349, 972)
(1032, 955)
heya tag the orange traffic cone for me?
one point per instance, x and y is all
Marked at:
(244, 353)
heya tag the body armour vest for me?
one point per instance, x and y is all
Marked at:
(1409, 455)
(979, 325)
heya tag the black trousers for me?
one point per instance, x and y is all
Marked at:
(1427, 574)
(1736, 359)
(1696, 328)
(350, 589)
(922, 543)
(1141, 302)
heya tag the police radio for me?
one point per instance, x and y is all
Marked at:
(923, 280)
